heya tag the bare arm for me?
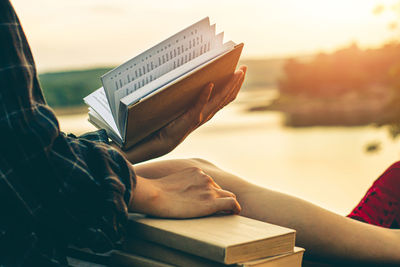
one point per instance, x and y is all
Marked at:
(325, 235)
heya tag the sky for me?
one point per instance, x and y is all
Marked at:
(75, 34)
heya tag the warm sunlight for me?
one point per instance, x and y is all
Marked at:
(84, 33)
(139, 134)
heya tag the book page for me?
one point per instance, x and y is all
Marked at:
(199, 48)
(176, 74)
(99, 103)
(152, 59)
(97, 120)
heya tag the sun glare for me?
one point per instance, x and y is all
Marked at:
(75, 33)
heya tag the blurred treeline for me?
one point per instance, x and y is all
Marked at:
(68, 88)
(350, 86)
(345, 71)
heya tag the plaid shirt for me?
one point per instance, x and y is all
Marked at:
(55, 190)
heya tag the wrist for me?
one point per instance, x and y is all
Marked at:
(145, 197)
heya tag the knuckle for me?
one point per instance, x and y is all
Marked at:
(229, 194)
(232, 203)
(195, 170)
(206, 179)
(200, 174)
(201, 177)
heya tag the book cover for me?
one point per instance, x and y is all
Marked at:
(225, 239)
(150, 114)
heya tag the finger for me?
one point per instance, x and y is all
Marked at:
(231, 86)
(236, 86)
(224, 193)
(172, 134)
(188, 121)
(194, 116)
(205, 96)
(233, 93)
(227, 204)
(243, 68)
(227, 95)
(205, 177)
(213, 183)
(241, 72)
(208, 89)
(176, 131)
(217, 100)
(231, 90)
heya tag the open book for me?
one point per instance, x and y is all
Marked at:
(148, 91)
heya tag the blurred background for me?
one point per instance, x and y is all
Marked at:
(317, 117)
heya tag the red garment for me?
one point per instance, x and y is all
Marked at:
(381, 204)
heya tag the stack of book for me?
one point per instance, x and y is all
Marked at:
(210, 241)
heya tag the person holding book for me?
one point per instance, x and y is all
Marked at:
(57, 189)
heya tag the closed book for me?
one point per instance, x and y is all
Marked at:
(166, 254)
(121, 259)
(151, 250)
(293, 259)
(224, 239)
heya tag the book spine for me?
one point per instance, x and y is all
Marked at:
(165, 254)
(120, 259)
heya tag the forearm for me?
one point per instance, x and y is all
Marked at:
(325, 235)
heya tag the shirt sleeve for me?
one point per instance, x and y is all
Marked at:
(55, 189)
(98, 183)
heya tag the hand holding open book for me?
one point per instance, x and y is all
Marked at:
(172, 134)
(156, 99)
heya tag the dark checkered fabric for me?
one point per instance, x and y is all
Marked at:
(55, 190)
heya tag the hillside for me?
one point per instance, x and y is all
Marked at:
(67, 88)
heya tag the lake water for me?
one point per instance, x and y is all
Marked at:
(327, 166)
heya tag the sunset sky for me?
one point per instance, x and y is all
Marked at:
(68, 34)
